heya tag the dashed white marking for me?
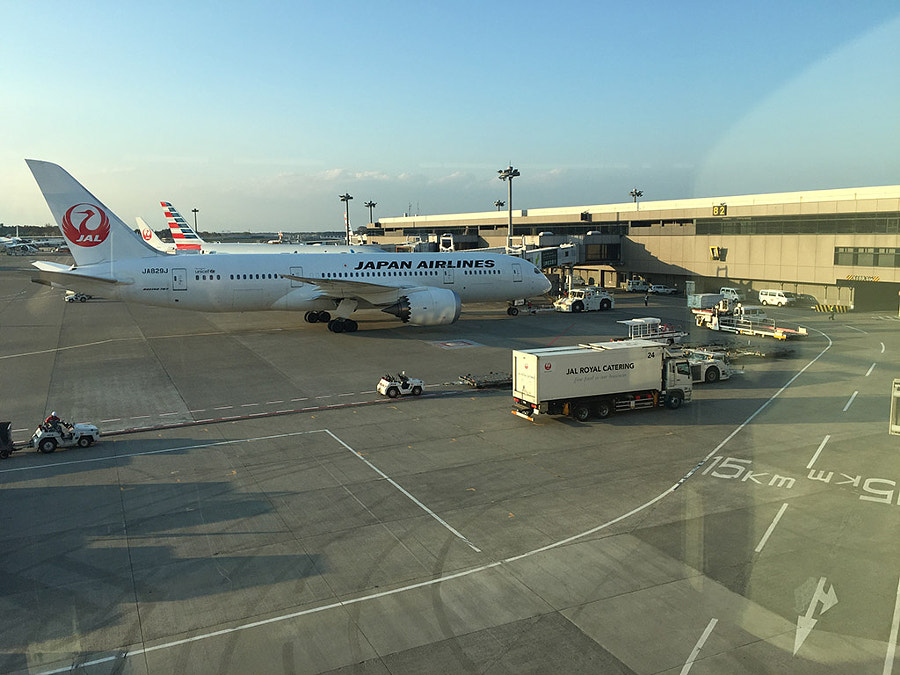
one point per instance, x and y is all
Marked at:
(816, 455)
(772, 525)
(697, 647)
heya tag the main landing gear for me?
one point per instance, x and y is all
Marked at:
(337, 325)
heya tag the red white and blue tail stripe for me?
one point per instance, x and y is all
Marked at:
(183, 234)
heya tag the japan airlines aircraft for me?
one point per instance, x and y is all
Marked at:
(148, 235)
(188, 241)
(424, 289)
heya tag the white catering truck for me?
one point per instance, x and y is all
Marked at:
(599, 378)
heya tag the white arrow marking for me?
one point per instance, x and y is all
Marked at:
(806, 623)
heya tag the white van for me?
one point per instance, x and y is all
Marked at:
(750, 313)
(770, 296)
(732, 294)
(637, 286)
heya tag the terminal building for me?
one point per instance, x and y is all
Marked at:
(840, 246)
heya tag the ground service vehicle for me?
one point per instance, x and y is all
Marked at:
(47, 438)
(743, 320)
(637, 286)
(776, 297)
(587, 299)
(732, 294)
(707, 366)
(662, 289)
(704, 300)
(393, 386)
(74, 296)
(652, 328)
(598, 379)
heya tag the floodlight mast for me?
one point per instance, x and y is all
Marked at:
(346, 199)
(508, 174)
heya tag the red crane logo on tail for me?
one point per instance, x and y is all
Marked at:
(86, 225)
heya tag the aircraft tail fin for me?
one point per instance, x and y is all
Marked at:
(183, 234)
(148, 235)
(91, 230)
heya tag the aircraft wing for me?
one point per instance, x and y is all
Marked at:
(67, 276)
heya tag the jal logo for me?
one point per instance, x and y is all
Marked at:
(547, 366)
(86, 225)
(146, 234)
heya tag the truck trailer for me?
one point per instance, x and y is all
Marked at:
(599, 378)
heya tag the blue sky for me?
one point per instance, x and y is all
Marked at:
(261, 114)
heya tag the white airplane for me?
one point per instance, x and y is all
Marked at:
(423, 289)
(188, 241)
(21, 248)
(148, 235)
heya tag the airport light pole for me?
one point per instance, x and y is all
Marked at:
(370, 205)
(508, 174)
(195, 212)
(499, 204)
(346, 199)
(635, 193)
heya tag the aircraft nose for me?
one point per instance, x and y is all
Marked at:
(544, 284)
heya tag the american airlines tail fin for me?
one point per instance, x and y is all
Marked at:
(148, 235)
(183, 234)
(92, 231)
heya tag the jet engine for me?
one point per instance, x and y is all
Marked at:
(427, 307)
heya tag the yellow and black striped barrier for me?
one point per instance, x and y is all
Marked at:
(839, 309)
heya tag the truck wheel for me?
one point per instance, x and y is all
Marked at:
(512, 311)
(47, 445)
(604, 305)
(417, 391)
(603, 410)
(4, 453)
(581, 412)
(712, 375)
(84, 441)
(311, 317)
(578, 306)
(393, 392)
(83, 298)
(674, 400)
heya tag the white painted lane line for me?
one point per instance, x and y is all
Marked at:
(882, 348)
(858, 330)
(690, 662)
(407, 494)
(846, 407)
(765, 538)
(275, 619)
(892, 640)
(248, 405)
(816, 455)
(223, 407)
(869, 371)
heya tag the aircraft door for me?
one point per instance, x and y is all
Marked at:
(517, 272)
(179, 279)
(297, 272)
(448, 276)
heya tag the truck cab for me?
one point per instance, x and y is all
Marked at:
(678, 382)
